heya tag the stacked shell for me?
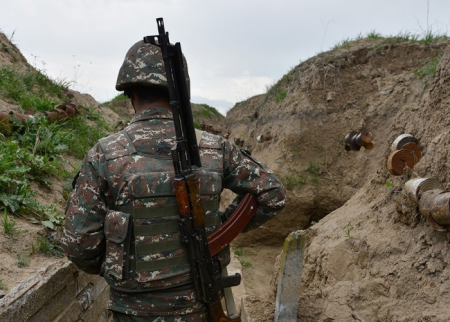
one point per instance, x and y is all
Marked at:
(434, 203)
(264, 137)
(355, 140)
(9, 120)
(405, 154)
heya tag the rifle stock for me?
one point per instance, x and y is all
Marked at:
(240, 218)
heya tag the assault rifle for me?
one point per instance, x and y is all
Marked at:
(202, 249)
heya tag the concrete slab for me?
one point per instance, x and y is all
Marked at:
(289, 280)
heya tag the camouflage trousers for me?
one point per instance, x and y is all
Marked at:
(171, 305)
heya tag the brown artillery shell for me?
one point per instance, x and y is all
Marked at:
(355, 140)
(6, 126)
(364, 137)
(416, 187)
(401, 140)
(411, 146)
(369, 146)
(399, 160)
(354, 145)
(21, 117)
(62, 115)
(436, 205)
(52, 116)
(348, 137)
(70, 110)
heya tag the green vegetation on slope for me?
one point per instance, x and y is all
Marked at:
(206, 111)
(426, 39)
(277, 92)
(33, 90)
(36, 150)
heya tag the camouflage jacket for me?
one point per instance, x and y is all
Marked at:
(104, 186)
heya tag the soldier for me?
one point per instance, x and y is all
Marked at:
(121, 217)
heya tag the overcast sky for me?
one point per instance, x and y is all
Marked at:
(234, 48)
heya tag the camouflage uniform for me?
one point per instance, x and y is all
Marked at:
(122, 216)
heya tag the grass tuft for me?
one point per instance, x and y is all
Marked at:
(8, 224)
(44, 246)
(2, 285)
(429, 69)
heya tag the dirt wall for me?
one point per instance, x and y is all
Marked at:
(377, 258)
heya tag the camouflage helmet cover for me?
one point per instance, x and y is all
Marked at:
(144, 65)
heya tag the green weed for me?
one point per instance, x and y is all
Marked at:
(84, 135)
(429, 69)
(8, 224)
(33, 90)
(280, 95)
(293, 181)
(315, 180)
(245, 264)
(2, 285)
(119, 98)
(276, 89)
(51, 218)
(427, 38)
(431, 37)
(15, 166)
(23, 259)
(344, 43)
(388, 185)
(348, 229)
(35, 153)
(314, 168)
(318, 146)
(208, 111)
(240, 252)
(44, 246)
(373, 35)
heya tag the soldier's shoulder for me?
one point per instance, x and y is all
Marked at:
(113, 142)
(111, 138)
(210, 140)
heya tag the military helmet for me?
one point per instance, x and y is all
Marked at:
(144, 65)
